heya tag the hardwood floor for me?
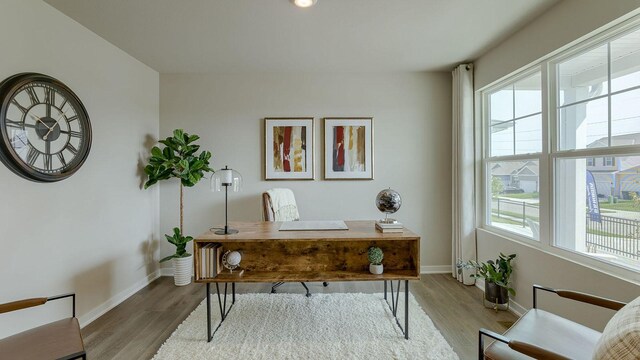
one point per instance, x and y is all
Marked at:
(137, 328)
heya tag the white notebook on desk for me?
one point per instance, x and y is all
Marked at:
(313, 225)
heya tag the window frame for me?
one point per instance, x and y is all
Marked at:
(486, 151)
(550, 153)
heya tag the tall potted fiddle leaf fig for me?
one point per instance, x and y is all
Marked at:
(179, 159)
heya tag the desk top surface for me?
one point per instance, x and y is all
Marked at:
(266, 231)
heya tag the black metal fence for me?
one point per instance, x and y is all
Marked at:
(515, 210)
(614, 235)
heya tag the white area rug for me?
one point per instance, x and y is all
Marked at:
(292, 326)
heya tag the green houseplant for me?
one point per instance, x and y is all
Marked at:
(497, 275)
(180, 243)
(375, 255)
(178, 159)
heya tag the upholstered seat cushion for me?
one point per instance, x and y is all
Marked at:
(55, 340)
(621, 337)
(549, 331)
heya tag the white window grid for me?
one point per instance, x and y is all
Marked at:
(550, 152)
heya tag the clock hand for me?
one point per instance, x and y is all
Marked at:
(61, 115)
(48, 132)
(45, 135)
(39, 119)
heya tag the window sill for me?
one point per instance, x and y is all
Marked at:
(610, 269)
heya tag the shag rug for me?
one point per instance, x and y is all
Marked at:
(292, 326)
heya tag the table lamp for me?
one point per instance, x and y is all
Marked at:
(226, 178)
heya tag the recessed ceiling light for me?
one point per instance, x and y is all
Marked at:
(304, 3)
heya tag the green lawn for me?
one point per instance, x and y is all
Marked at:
(496, 219)
(521, 196)
(608, 234)
(624, 205)
(515, 215)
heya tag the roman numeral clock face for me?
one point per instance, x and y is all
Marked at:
(46, 133)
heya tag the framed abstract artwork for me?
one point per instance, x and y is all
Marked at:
(348, 148)
(288, 148)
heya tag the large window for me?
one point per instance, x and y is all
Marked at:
(598, 110)
(585, 139)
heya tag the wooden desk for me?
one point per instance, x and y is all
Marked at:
(270, 255)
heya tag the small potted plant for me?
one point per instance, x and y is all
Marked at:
(375, 259)
(497, 275)
(182, 260)
(466, 270)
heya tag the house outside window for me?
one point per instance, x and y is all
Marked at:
(609, 161)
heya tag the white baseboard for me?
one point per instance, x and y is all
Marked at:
(89, 317)
(166, 271)
(435, 269)
(515, 308)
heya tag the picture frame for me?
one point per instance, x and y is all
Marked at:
(348, 148)
(289, 148)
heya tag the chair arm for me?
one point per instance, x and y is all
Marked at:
(27, 303)
(591, 299)
(535, 352)
(21, 304)
(579, 296)
(522, 347)
(490, 334)
(493, 335)
(73, 301)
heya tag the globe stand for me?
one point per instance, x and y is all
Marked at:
(388, 220)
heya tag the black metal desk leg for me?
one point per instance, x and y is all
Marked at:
(208, 312)
(395, 299)
(406, 309)
(222, 304)
(385, 289)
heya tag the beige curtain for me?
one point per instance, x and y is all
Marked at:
(463, 167)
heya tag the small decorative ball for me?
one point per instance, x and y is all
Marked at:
(231, 259)
(388, 201)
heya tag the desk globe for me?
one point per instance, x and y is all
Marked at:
(388, 201)
(231, 259)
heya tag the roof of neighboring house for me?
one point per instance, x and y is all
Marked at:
(515, 168)
(617, 140)
(632, 169)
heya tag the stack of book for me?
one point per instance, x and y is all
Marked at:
(210, 256)
(389, 228)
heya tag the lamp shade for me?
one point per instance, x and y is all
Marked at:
(226, 179)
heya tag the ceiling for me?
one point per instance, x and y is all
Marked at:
(203, 36)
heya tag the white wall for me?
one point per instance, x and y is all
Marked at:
(562, 24)
(96, 232)
(559, 26)
(412, 117)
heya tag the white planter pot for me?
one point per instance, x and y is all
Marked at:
(467, 279)
(376, 269)
(182, 270)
